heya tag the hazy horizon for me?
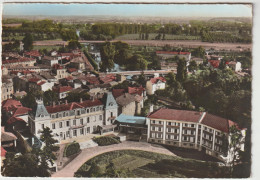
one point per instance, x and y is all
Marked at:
(129, 10)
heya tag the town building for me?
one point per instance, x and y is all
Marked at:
(155, 84)
(235, 66)
(7, 88)
(190, 129)
(76, 119)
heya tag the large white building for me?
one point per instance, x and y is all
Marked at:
(190, 129)
(76, 119)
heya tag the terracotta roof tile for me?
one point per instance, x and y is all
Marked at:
(216, 122)
(173, 114)
(136, 90)
(155, 80)
(118, 92)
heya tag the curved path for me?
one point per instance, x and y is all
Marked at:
(86, 154)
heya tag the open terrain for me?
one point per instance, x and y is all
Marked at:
(174, 43)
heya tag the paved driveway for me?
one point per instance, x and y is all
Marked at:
(86, 154)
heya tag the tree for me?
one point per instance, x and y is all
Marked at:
(75, 96)
(122, 54)
(28, 42)
(74, 44)
(192, 66)
(181, 70)
(199, 52)
(141, 79)
(236, 139)
(107, 53)
(47, 154)
(23, 165)
(137, 63)
(49, 97)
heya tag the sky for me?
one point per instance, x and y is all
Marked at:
(177, 10)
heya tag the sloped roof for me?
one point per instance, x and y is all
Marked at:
(136, 90)
(110, 101)
(155, 80)
(9, 103)
(214, 63)
(7, 136)
(14, 119)
(62, 89)
(174, 114)
(125, 99)
(118, 92)
(216, 122)
(33, 53)
(3, 152)
(73, 105)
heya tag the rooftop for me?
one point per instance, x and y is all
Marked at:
(122, 118)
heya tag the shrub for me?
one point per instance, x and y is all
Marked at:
(105, 140)
(70, 149)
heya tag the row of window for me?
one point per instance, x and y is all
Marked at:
(207, 136)
(157, 122)
(74, 122)
(76, 112)
(75, 132)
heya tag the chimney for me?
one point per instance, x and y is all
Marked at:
(93, 99)
(80, 100)
(66, 101)
(53, 103)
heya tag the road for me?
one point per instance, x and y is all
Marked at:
(86, 154)
(139, 72)
(182, 43)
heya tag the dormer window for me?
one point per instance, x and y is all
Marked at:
(111, 104)
(42, 115)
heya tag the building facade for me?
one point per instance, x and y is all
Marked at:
(189, 129)
(76, 119)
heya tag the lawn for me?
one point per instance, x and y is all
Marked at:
(135, 163)
(153, 35)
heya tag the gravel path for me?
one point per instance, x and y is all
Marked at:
(86, 154)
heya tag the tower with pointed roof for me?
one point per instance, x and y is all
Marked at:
(41, 118)
(111, 109)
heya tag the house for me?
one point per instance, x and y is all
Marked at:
(33, 54)
(40, 84)
(8, 140)
(155, 84)
(236, 66)
(21, 94)
(50, 60)
(23, 61)
(169, 65)
(78, 63)
(126, 103)
(7, 87)
(62, 91)
(189, 129)
(76, 119)
(171, 54)
(214, 63)
(59, 71)
(197, 60)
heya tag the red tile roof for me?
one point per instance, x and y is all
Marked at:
(41, 83)
(70, 70)
(117, 92)
(173, 114)
(62, 89)
(57, 66)
(3, 152)
(23, 59)
(136, 90)
(214, 63)
(216, 122)
(35, 80)
(20, 111)
(173, 52)
(71, 106)
(34, 53)
(155, 80)
(9, 103)
(14, 119)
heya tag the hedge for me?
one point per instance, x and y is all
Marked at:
(91, 60)
(70, 149)
(106, 140)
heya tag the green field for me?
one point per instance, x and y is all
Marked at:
(153, 35)
(135, 163)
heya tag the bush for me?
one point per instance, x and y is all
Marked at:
(105, 140)
(70, 149)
